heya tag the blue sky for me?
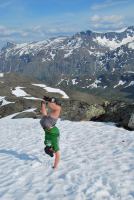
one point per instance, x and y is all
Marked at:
(32, 20)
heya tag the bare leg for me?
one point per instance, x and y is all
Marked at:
(43, 108)
(57, 159)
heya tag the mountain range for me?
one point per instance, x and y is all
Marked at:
(100, 63)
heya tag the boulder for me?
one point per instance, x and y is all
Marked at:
(119, 113)
(78, 110)
(131, 122)
(74, 110)
(94, 111)
(1, 103)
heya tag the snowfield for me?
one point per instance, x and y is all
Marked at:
(114, 43)
(97, 162)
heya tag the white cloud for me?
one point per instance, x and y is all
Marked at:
(33, 33)
(108, 27)
(106, 18)
(7, 31)
(53, 28)
(106, 22)
(4, 31)
(108, 3)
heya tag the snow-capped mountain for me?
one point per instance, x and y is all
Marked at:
(82, 59)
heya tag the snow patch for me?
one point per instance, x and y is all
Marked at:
(4, 101)
(72, 45)
(120, 52)
(112, 44)
(130, 84)
(120, 83)
(18, 92)
(67, 82)
(52, 55)
(46, 59)
(68, 53)
(131, 72)
(53, 90)
(32, 98)
(90, 52)
(131, 45)
(105, 86)
(74, 81)
(60, 81)
(1, 75)
(113, 69)
(95, 84)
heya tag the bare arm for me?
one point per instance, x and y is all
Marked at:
(43, 108)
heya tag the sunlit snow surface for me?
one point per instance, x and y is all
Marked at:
(120, 83)
(53, 90)
(18, 92)
(4, 101)
(113, 44)
(32, 98)
(1, 75)
(131, 45)
(130, 84)
(95, 84)
(97, 162)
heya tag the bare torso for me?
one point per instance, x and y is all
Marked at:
(55, 110)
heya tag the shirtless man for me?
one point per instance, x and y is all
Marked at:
(48, 122)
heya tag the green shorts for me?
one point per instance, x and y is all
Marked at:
(52, 138)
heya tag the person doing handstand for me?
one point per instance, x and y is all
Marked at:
(48, 123)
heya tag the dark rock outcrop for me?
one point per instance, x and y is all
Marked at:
(131, 122)
(120, 113)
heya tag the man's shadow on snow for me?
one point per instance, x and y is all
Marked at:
(21, 156)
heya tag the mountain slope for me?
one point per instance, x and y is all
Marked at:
(84, 57)
(19, 93)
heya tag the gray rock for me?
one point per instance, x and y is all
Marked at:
(94, 111)
(78, 110)
(131, 122)
(1, 103)
(119, 113)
